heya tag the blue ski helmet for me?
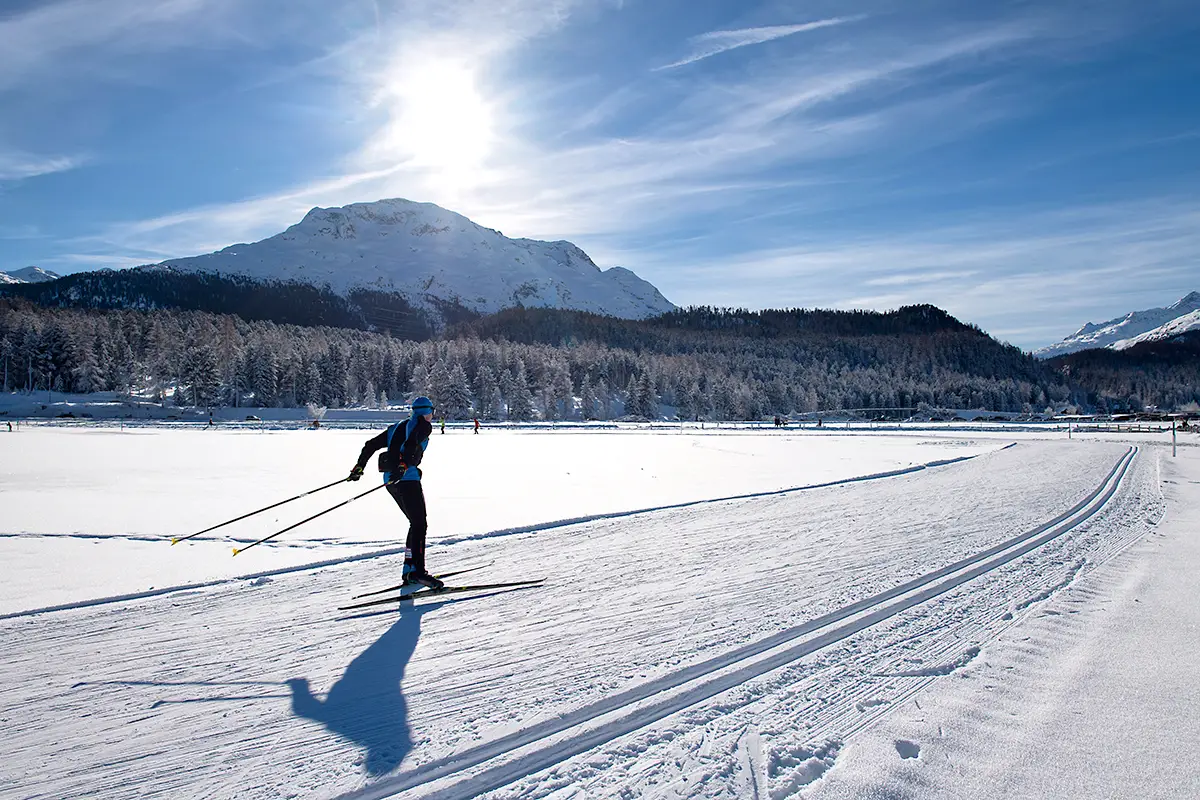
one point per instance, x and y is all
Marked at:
(422, 405)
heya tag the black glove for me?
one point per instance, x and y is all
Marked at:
(355, 473)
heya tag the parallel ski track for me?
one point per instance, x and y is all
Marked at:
(628, 712)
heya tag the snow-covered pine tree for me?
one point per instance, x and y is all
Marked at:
(485, 388)
(201, 374)
(308, 382)
(605, 397)
(685, 398)
(8, 348)
(647, 397)
(633, 403)
(494, 407)
(419, 380)
(124, 371)
(86, 373)
(387, 372)
(520, 398)
(356, 376)
(544, 400)
(264, 376)
(333, 377)
(439, 385)
(456, 399)
(559, 390)
(588, 405)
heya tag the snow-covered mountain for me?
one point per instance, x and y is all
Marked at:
(28, 275)
(424, 251)
(1183, 324)
(1136, 326)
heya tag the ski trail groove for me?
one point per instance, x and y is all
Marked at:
(630, 716)
(968, 618)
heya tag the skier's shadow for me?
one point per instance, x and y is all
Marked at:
(366, 705)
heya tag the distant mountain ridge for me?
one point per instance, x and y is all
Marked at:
(432, 255)
(1134, 328)
(28, 275)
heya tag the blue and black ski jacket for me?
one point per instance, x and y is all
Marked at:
(406, 441)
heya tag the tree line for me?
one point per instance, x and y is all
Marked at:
(696, 361)
(534, 363)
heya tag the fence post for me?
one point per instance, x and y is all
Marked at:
(1172, 437)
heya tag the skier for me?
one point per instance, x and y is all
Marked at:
(477, 424)
(405, 444)
(443, 424)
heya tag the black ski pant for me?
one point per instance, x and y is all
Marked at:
(411, 499)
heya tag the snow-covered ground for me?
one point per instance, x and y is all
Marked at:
(726, 614)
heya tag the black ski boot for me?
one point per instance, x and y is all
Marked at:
(424, 579)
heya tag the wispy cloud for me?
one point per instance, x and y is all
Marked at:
(208, 228)
(16, 165)
(717, 145)
(89, 261)
(1080, 264)
(710, 44)
(21, 232)
(55, 37)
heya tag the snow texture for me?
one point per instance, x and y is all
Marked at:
(733, 614)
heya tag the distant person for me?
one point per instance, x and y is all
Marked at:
(443, 424)
(405, 444)
(477, 425)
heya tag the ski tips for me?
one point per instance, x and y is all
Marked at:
(236, 551)
(174, 540)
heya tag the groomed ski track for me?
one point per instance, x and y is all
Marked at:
(842, 602)
(703, 676)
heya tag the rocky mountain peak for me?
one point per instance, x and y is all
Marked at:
(430, 254)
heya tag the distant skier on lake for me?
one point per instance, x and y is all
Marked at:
(405, 444)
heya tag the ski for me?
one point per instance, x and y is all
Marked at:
(481, 587)
(440, 576)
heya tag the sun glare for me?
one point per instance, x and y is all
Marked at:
(440, 120)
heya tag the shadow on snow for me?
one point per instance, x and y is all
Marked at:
(366, 705)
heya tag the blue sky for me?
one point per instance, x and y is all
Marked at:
(1027, 166)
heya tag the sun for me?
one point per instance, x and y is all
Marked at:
(439, 119)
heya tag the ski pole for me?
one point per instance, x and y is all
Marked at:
(237, 550)
(178, 539)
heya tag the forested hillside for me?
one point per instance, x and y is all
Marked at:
(1162, 373)
(287, 302)
(526, 363)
